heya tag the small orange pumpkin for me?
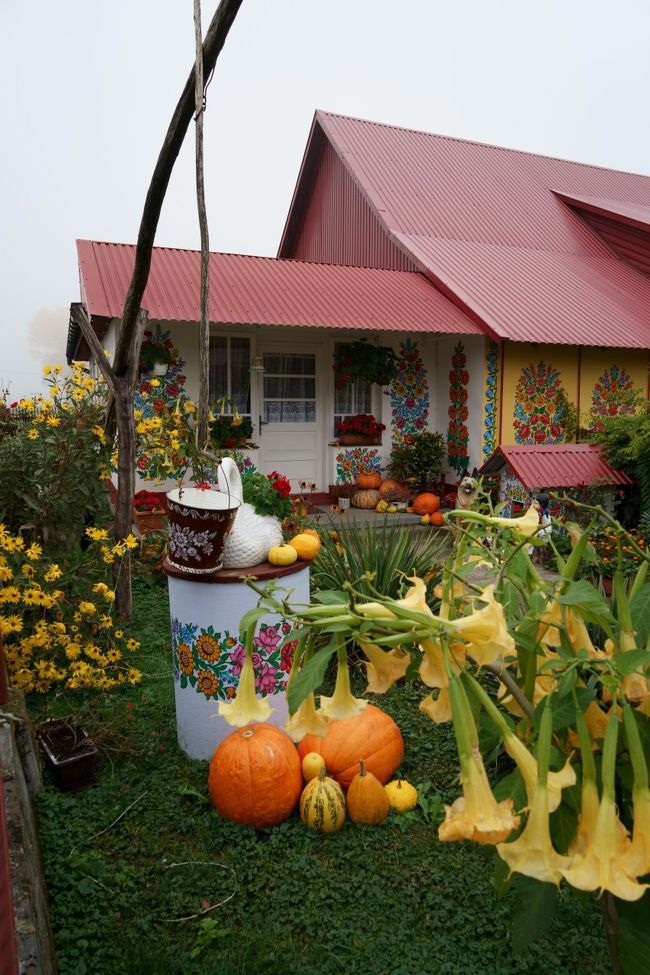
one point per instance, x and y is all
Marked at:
(368, 479)
(367, 802)
(255, 776)
(437, 518)
(426, 503)
(372, 736)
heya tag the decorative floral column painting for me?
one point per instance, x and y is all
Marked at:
(611, 396)
(540, 412)
(409, 394)
(490, 399)
(457, 432)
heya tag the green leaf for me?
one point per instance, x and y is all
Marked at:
(589, 601)
(250, 617)
(502, 879)
(563, 708)
(330, 597)
(563, 824)
(631, 660)
(310, 677)
(534, 908)
(640, 610)
(634, 935)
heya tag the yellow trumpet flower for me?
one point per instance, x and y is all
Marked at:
(306, 721)
(485, 631)
(438, 708)
(476, 815)
(415, 598)
(342, 703)
(245, 707)
(383, 667)
(532, 853)
(527, 765)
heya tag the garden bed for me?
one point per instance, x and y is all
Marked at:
(144, 846)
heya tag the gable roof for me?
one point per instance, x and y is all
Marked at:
(555, 465)
(248, 290)
(495, 229)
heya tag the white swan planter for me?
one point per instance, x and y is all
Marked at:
(252, 535)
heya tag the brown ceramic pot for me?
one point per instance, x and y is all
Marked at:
(199, 522)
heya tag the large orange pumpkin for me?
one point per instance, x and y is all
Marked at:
(368, 479)
(388, 486)
(372, 736)
(255, 776)
(426, 503)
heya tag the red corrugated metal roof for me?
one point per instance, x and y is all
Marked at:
(266, 291)
(446, 199)
(632, 213)
(555, 465)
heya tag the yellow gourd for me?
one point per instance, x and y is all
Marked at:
(367, 801)
(401, 795)
(306, 546)
(322, 804)
(312, 763)
(282, 555)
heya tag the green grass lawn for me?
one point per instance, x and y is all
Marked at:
(388, 900)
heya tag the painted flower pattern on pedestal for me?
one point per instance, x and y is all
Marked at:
(153, 394)
(458, 412)
(353, 461)
(210, 661)
(409, 394)
(540, 412)
(611, 396)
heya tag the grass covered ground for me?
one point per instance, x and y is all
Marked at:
(389, 900)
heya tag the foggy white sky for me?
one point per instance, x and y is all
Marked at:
(89, 89)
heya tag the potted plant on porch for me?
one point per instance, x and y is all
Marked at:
(154, 356)
(148, 511)
(362, 429)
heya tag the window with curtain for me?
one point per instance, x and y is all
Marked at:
(355, 397)
(289, 388)
(230, 359)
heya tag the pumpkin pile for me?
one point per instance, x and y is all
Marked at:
(305, 545)
(384, 497)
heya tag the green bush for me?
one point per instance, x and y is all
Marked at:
(53, 463)
(419, 463)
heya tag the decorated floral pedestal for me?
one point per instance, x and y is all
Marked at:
(207, 655)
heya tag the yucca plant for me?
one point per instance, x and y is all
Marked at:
(388, 555)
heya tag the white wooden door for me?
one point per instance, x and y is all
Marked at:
(290, 424)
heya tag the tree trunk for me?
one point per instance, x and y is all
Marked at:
(204, 324)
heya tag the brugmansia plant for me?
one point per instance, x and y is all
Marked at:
(572, 711)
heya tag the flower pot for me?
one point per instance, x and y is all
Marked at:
(69, 753)
(148, 521)
(357, 440)
(199, 522)
(159, 369)
(344, 503)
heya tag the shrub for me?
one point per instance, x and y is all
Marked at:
(54, 459)
(419, 462)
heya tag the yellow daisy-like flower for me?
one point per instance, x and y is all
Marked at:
(87, 608)
(33, 434)
(53, 421)
(134, 676)
(53, 573)
(97, 534)
(207, 647)
(34, 552)
(132, 644)
(185, 659)
(10, 594)
(207, 683)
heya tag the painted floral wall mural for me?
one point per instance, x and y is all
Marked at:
(409, 393)
(457, 432)
(540, 410)
(350, 462)
(611, 395)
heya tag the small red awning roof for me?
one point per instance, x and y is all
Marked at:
(555, 465)
(247, 290)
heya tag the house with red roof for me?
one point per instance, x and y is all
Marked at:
(512, 290)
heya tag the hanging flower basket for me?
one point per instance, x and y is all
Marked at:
(361, 361)
(359, 430)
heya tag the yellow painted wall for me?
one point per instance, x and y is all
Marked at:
(520, 355)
